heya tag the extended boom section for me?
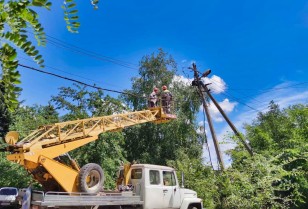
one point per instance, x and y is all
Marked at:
(42, 152)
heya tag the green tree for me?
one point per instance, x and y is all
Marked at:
(197, 177)
(282, 133)
(5, 117)
(26, 119)
(78, 102)
(259, 183)
(23, 120)
(18, 22)
(16, 17)
(152, 143)
(12, 174)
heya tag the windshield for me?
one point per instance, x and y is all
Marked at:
(8, 191)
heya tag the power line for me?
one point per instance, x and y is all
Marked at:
(62, 44)
(80, 82)
(69, 73)
(273, 89)
(207, 143)
(108, 58)
(238, 100)
(276, 89)
(251, 96)
(91, 54)
(257, 101)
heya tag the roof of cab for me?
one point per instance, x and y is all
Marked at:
(150, 166)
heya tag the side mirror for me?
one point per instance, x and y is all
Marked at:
(182, 178)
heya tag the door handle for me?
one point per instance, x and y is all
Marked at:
(165, 190)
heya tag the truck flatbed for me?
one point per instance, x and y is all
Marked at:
(62, 199)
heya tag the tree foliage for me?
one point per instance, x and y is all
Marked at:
(5, 117)
(16, 19)
(152, 143)
(18, 23)
(281, 133)
(78, 102)
(23, 120)
(26, 119)
(12, 174)
(258, 183)
(197, 177)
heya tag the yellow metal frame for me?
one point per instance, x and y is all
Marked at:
(40, 147)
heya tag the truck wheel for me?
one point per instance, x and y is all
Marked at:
(91, 178)
(194, 206)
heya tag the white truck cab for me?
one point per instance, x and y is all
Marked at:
(158, 187)
(8, 196)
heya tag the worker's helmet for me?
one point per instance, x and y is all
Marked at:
(155, 89)
(164, 87)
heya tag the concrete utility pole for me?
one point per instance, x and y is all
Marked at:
(197, 82)
(247, 147)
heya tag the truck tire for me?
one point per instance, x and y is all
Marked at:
(194, 206)
(91, 178)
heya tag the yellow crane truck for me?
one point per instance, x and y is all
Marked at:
(44, 154)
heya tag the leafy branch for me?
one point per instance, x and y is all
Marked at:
(16, 18)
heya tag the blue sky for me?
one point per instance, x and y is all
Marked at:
(257, 50)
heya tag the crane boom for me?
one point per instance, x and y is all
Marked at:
(38, 151)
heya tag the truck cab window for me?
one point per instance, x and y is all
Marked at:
(136, 174)
(8, 191)
(154, 177)
(169, 178)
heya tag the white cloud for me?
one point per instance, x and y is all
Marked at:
(183, 61)
(225, 105)
(201, 123)
(217, 86)
(200, 129)
(181, 79)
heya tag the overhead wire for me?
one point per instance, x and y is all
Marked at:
(206, 143)
(256, 101)
(86, 84)
(62, 44)
(90, 55)
(251, 96)
(278, 89)
(58, 43)
(80, 82)
(88, 51)
(72, 74)
(274, 89)
(245, 95)
(237, 99)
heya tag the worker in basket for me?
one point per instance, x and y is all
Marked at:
(166, 98)
(153, 99)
